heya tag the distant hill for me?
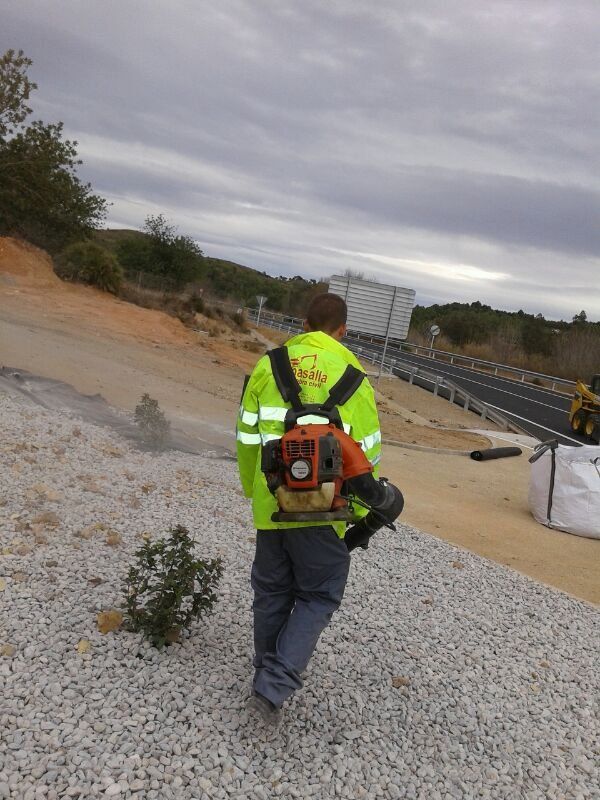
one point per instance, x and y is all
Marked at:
(111, 237)
(228, 280)
(567, 349)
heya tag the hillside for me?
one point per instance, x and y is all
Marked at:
(218, 277)
(554, 347)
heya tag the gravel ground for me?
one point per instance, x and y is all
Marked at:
(443, 675)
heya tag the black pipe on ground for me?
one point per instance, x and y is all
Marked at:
(495, 452)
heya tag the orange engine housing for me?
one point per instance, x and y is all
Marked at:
(314, 454)
(306, 470)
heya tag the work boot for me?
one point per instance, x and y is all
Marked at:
(258, 705)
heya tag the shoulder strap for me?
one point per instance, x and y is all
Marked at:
(343, 390)
(285, 378)
(246, 382)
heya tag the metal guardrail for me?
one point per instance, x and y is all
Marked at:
(278, 321)
(487, 367)
(415, 374)
(440, 386)
(292, 324)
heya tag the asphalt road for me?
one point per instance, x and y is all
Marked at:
(541, 412)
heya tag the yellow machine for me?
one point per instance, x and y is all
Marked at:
(585, 409)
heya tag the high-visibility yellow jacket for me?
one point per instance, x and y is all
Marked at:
(318, 362)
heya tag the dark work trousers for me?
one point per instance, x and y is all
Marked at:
(298, 577)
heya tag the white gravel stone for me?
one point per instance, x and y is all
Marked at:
(502, 671)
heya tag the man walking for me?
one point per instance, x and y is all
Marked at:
(300, 569)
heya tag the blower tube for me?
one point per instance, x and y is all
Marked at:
(495, 452)
(386, 504)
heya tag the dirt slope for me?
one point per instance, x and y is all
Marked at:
(25, 266)
(26, 273)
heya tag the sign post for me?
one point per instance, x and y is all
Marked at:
(434, 331)
(260, 299)
(387, 332)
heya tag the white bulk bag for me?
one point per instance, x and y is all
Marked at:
(564, 488)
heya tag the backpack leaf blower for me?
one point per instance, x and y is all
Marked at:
(316, 471)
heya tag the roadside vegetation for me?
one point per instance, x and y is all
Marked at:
(158, 258)
(87, 262)
(565, 349)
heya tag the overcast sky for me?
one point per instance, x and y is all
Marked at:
(449, 147)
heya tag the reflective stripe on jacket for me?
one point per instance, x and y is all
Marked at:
(318, 362)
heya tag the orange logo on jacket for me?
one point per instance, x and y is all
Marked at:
(306, 372)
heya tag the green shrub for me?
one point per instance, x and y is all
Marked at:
(87, 262)
(168, 588)
(239, 320)
(152, 422)
(196, 302)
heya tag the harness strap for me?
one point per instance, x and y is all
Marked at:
(246, 382)
(285, 379)
(343, 390)
(290, 389)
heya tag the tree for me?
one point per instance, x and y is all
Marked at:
(536, 337)
(464, 327)
(15, 88)
(41, 197)
(176, 260)
(354, 273)
(580, 319)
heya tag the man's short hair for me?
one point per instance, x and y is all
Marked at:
(326, 312)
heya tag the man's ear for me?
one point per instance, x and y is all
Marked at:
(340, 332)
(306, 326)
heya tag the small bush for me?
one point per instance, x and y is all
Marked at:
(180, 308)
(87, 262)
(152, 422)
(167, 588)
(239, 321)
(196, 302)
(140, 296)
(254, 347)
(175, 305)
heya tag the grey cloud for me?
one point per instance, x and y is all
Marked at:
(506, 209)
(462, 135)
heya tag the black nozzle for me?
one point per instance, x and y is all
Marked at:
(385, 502)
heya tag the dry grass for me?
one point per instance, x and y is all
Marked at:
(576, 352)
(187, 306)
(274, 335)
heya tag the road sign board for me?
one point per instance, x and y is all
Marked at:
(375, 308)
